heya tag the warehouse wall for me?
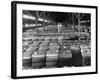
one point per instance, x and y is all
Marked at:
(5, 40)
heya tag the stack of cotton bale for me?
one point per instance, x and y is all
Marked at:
(44, 43)
(41, 38)
(52, 58)
(26, 56)
(26, 42)
(54, 46)
(86, 53)
(48, 39)
(35, 43)
(38, 58)
(25, 45)
(77, 58)
(34, 38)
(65, 55)
(54, 39)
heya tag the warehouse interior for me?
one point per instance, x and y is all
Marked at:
(55, 39)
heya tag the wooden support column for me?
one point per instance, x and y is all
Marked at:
(36, 22)
(71, 16)
(47, 17)
(44, 22)
(44, 19)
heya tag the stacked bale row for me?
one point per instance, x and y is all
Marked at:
(43, 51)
(77, 57)
(65, 56)
(86, 53)
(38, 57)
(52, 54)
(27, 55)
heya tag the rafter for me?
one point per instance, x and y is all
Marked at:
(82, 16)
(76, 15)
(70, 17)
(37, 14)
(29, 13)
(48, 15)
(40, 14)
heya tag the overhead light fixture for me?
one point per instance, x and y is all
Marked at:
(29, 17)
